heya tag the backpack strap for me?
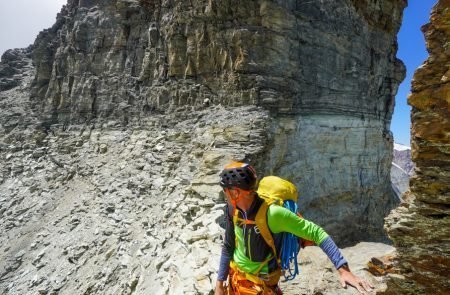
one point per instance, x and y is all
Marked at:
(261, 223)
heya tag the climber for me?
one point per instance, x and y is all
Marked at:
(247, 263)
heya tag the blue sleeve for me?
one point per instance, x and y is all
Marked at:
(227, 248)
(329, 247)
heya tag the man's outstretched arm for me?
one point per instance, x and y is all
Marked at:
(282, 220)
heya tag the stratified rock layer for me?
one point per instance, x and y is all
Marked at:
(420, 230)
(230, 52)
(110, 180)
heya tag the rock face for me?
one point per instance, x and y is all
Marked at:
(111, 154)
(420, 229)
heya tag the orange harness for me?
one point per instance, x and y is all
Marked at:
(241, 283)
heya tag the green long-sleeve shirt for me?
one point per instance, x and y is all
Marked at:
(279, 220)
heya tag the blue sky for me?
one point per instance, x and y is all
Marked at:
(412, 51)
(21, 21)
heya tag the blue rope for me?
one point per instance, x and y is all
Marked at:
(290, 248)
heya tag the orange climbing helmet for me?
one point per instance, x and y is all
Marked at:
(240, 175)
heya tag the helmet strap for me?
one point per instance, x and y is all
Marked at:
(232, 195)
(235, 195)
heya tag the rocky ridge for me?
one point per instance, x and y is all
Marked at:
(115, 203)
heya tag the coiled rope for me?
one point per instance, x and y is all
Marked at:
(290, 248)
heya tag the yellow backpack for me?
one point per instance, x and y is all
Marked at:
(283, 193)
(274, 189)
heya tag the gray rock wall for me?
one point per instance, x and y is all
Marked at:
(338, 162)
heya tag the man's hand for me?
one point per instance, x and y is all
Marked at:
(220, 288)
(348, 278)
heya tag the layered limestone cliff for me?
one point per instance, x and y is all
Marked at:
(420, 229)
(111, 155)
(328, 73)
